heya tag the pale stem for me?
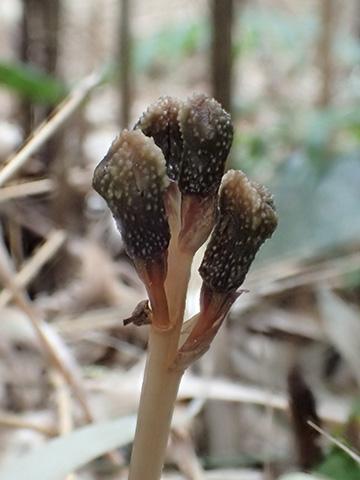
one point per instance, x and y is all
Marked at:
(161, 383)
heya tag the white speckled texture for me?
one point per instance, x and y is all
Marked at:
(195, 137)
(160, 121)
(207, 135)
(132, 179)
(246, 219)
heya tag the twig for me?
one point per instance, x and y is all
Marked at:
(50, 345)
(63, 402)
(37, 187)
(336, 442)
(331, 269)
(9, 420)
(92, 320)
(50, 126)
(333, 411)
(298, 272)
(31, 268)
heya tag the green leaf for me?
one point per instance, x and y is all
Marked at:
(63, 455)
(301, 476)
(339, 466)
(31, 83)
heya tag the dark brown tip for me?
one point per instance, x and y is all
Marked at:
(160, 121)
(207, 134)
(246, 219)
(132, 179)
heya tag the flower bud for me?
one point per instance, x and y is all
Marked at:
(246, 219)
(207, 134)
(132, 179)
(160, 121)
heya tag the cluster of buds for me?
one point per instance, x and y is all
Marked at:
(164, 181)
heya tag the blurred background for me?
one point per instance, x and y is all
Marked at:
(289, 73)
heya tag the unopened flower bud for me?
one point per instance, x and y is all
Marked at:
(160, 121)
(246, 219)
(207, 134)
(132, 179)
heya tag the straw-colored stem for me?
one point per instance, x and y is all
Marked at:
(157, 401)
(161, 383)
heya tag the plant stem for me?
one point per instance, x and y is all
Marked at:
(161, 384)
(157, 401)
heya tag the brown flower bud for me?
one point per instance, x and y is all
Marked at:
(207, 134)
(132, 179)
(160, 121)
(246, 219)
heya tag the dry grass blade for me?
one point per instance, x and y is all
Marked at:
(99, 319)
(301, 275)
(25, 189)
(64, 407)
(63, 403)
(181, 451)
(9, 420)
(50, 126)
(52, 345)
(30, 269)
(332, 410)
(355, 456)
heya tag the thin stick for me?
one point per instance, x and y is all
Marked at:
(50, 345)
(331, 411)
(9, 420)
(161, 383)
(50, 126)
(37, 187)
(336, 442)
(100, 319)
(330, 270)
(63, 403)
(31, 268)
